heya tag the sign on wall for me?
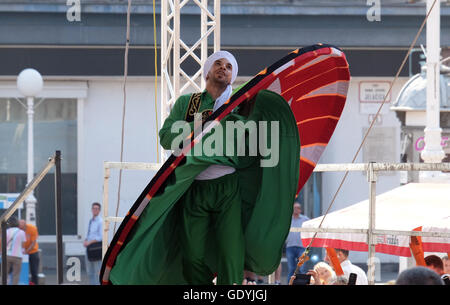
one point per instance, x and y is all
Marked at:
(372, 95)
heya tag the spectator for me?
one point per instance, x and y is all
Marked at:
(15, 242)
(419, 276)
(294, 246)
(32, 249)
(348, 267)
(278, 275)
(436, 264)
(94, 235)
(446, 263)
(322, 274)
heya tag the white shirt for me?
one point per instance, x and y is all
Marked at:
(15, 237)
(95, 229)
(348, 268)
(215, 171)
(294, 239)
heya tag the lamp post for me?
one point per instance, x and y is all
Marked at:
(30, 83)
(433, 152)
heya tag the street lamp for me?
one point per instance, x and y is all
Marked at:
(432, 152)
(30, 83)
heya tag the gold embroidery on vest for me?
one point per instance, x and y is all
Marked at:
(193, 107)
(206, 113)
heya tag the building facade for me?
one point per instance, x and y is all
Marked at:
(78, 47)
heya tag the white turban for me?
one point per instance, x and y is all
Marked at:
(218, 55)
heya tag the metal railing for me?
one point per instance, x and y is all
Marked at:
(53, 161)
(107, 166)
(371, 169)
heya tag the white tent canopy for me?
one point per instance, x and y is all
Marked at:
(414, 206)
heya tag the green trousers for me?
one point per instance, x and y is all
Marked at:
(213, 208)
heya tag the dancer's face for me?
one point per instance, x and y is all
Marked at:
(220, 72)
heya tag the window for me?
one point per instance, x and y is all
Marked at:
(55, 128)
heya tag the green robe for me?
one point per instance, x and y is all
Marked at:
(152, 254)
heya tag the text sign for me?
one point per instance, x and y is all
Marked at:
(374, 92)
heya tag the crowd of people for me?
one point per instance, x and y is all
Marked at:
(436, 271)
(21, 240)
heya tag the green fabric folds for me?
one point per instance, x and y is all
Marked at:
(152, 254)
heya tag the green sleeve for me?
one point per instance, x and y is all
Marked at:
(177, 114)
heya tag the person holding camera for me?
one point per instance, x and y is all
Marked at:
(322, 274)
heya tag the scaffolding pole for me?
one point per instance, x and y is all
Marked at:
(174, 80)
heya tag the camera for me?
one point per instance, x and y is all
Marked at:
(302, 279)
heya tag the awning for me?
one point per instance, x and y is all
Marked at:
(406, 208)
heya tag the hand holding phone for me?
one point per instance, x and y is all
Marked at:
(302, 279)
(352, 279)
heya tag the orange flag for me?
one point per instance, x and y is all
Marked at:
(335, 261)
(416, 249)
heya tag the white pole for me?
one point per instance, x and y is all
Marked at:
(432, 152)
(106, 221)
(204, 43)
(31, 200)
(164, 70)
(372, 179)
(30, 113)
(217, 25)
(176, 48)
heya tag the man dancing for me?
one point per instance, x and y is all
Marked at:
(213, 201)
(215, 215)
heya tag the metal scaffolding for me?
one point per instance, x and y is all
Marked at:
(174, 80)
